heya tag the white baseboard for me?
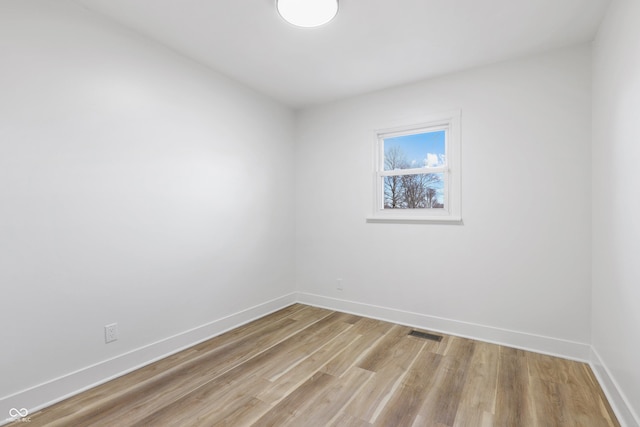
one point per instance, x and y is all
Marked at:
(58, 389)
(537, 343)
(618, 401)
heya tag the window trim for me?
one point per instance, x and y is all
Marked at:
(452, 172)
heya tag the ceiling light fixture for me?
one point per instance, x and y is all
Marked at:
(307, 13)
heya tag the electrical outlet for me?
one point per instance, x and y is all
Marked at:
(339, 284)
(110, 332)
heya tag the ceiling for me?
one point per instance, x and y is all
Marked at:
(370, 45)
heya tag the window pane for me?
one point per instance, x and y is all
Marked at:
(421, 191)
(415, 151)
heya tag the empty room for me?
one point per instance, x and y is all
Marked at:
(320, 213)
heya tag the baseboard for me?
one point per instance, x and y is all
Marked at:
(537, 343)
(58, 389)
(620, 404)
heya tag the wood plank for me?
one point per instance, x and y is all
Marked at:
(244, 414)
(347, 420)
(384, 349)
(479, 391)
(287, 383)
(548, 368)
(547, 402)
(472, 417)
(297, 348)
(577, 406)
(326, 405)
(403, 407)
(371, 331)
(370, 401)
(298, 401)
(513, 405)
(443, 398)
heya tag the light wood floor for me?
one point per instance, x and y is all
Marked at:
(305, 366)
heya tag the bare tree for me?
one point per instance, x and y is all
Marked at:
(416, 189)
(431, 198)
(407, 191)
(393, 159)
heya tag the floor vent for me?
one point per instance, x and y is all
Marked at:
(425, 335)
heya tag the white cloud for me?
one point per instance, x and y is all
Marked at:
(432, 160)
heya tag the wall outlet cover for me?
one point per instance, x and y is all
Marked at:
(110, 332)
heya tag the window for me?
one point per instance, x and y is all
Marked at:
(417, 171)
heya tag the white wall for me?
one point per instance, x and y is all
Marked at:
(135, 187)
(141, 188)
(616, 205)
(520, 261)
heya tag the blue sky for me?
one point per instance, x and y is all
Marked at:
(417, 147)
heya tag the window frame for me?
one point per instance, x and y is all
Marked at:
(450, 214)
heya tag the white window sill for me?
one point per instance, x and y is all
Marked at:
(416, 220)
